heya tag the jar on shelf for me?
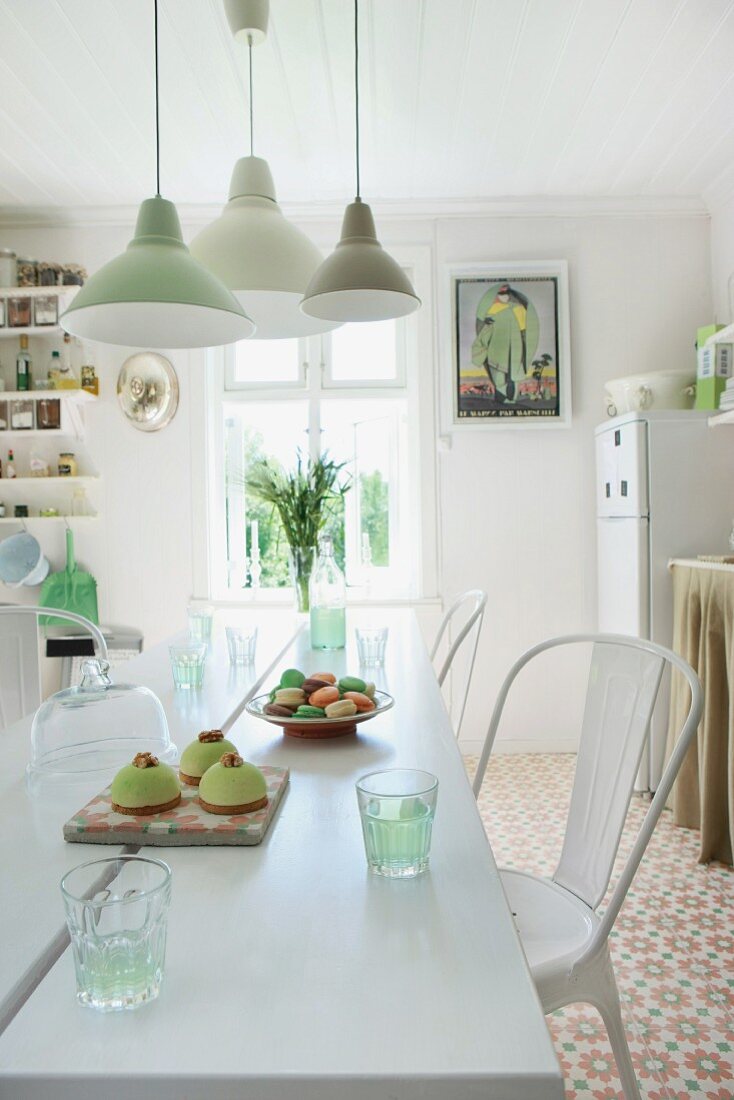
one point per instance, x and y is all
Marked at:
(67, 464)
(48, 413)
(8, 267)
(21, 415)
(79, 502)
(27, 272)
(21, 511)
(19, 312)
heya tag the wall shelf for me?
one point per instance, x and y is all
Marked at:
(79, 396)
(721, 418)
(64, 295)
(81, 479)
(20, 521)
(723, 336)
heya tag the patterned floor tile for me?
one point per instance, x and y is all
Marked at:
(672, 944)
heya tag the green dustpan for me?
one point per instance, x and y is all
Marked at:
(71, 590)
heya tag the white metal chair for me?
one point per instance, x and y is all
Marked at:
(476, 600)
(20, 676)
(564, 938)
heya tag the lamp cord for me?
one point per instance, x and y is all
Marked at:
(356, 88)
(157, 118)
(252, 127)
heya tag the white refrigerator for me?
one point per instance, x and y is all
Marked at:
(664, 489)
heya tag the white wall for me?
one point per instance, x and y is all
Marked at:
(516, 507)
(722, 261)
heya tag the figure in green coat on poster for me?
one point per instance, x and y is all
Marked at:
(507, 339)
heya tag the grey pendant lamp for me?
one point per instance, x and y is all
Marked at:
(263, 258)
(156, 295)
(359, 281)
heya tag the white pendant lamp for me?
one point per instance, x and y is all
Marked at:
(359, 281)
(156, 295)
(263, 258)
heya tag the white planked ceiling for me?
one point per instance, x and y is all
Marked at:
(461, 99)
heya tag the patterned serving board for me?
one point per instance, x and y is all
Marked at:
(187, 825)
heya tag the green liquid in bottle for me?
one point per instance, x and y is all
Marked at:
(328, 628)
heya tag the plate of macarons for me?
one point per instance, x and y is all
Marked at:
(319, 705)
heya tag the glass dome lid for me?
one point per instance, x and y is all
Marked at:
(91, 730)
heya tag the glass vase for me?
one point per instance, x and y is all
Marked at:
(302, 560)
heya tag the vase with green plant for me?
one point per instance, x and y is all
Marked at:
(305, 499)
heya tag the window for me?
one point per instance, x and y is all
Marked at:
(353, 393)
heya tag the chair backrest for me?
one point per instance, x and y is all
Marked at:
(624, 678)
(472, 603)
(20, 677)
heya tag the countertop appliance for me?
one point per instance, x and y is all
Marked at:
(664, 489)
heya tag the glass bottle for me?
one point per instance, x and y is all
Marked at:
(66, 379)
(10, 466)
(54, 368)
(328, 601)
(23, 366)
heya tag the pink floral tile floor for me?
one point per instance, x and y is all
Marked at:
(673, 944)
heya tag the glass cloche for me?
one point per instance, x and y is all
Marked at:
(91, 730)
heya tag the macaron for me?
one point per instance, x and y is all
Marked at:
(327, 677)
(351, 683)
(324, 696)
(362, 702)
(311, 685)
(342, 708)
(307, 711)
(369, 690)
(292, 678)
(290, 697)
(278, 711)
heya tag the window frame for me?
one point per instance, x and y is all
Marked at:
(419, 386)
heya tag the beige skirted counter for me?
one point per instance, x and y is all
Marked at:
(703, 796)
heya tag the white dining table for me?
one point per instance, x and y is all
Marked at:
(292, 973)
(33, 855)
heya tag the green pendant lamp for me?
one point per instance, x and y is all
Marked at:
(156, 295)
(359, 281)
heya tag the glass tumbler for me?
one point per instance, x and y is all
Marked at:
(241, 643)
(200, 623)
(187, 664)
(117, 911)
(371, 642)
(397, 808)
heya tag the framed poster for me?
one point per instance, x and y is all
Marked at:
(510, 355)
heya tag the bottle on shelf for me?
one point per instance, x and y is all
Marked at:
(10, 466)
(328, 598)
(66, 379)
(23, 366)
(2, 510)
(54, 368)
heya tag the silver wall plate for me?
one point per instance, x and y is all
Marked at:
(147, 389)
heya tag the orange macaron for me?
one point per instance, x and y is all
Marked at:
(362, 702)
(323, 696)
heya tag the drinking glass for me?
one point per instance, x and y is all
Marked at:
(241, 642)
(116, 911)
(187, 664)
(371, 643)
(397, 808)
(200, 623)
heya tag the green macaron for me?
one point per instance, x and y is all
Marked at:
(351, 683)
(292, 678)
(306, 711)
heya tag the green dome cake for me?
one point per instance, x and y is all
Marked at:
(233, 787)
(145, 787)
(201, 754)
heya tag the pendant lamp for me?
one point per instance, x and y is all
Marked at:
(156, 295)
(263, 258)
(359, 281)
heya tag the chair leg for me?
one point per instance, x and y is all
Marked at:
(607, 1003)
